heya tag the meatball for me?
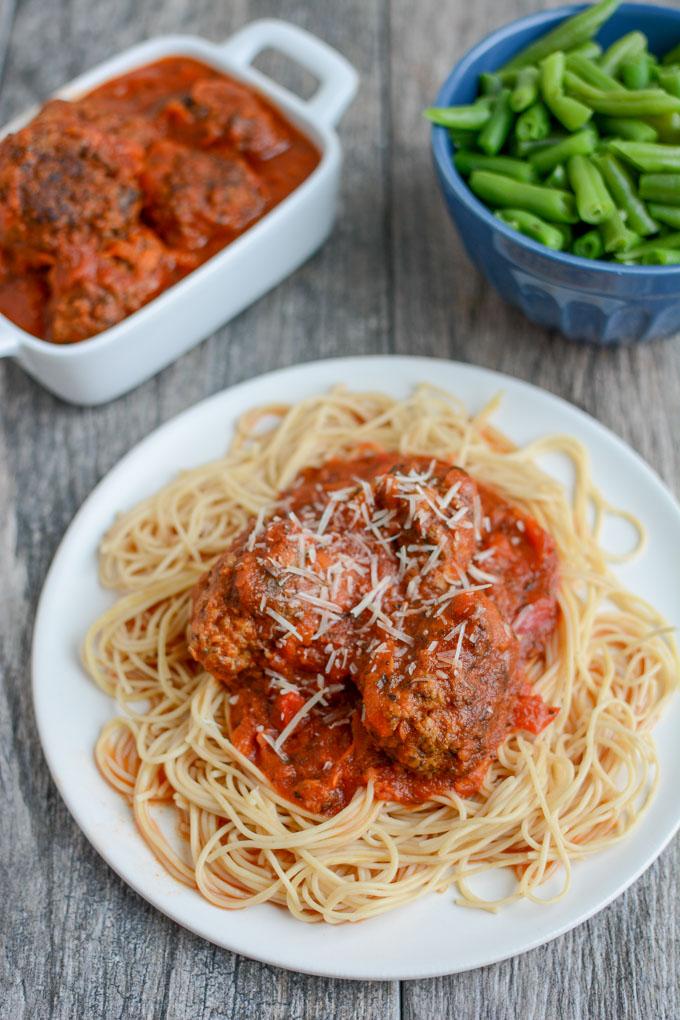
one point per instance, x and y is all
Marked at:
(94, 286)
(193, 197)
(61, 173)
(285, 603)
(219, 111)
(445, 705)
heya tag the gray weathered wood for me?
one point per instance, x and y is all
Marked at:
(76, 941)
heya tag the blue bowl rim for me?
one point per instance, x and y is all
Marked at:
(440, 149)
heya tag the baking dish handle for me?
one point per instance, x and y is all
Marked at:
(337, 78)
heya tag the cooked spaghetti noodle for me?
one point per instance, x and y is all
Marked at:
(546, 801)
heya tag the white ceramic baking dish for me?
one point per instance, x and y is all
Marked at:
(99, 369)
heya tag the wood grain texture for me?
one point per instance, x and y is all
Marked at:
(75, 941)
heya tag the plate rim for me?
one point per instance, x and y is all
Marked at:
(149, 894)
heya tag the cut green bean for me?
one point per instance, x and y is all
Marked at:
(533, 226)
(622, 189)
(557, 178)
(533, 124)
(468, 118)
(671, 241)
(592, 73)
(494, 133)
(591, 50)
(466, 162)
(593, 201)
(635, 72)
(623, 49)
(525, 91)
(589, 245)
(663, 188)
(669, 80)
(661, 257)
(669, 215)
(580, 144)
(647, 156)
(504, 193)
(570, 112)
(490, 84)
(616, 236)
(646, 103)
(524, 149)
(568, 34)
(628, 128)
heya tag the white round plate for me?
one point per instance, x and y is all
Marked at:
(432, 936)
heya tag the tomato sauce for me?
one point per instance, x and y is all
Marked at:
(108, 200)
(401, 601)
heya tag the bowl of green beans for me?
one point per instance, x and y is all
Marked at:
(556, 142)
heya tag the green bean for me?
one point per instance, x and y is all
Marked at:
(671, 241)
(469, 118)
(580, 144)
(669, 215)
(557, 178)
(552, 73)
(624, 48)
(589, 245)
(669, 80)
(533, 226)
(622, 189)
(523, 149)
(525, 92)
(616, 236)
(591, 50)
(592, 73)
(490, 84)
(647, 156)
(466, 162)
(628, 128)
(661, 257)
(663, 188)
(673, 56)
(494, 133)
(593, 201)
(533, 124)
(502, 192)
(569, 33)
(569, 112)
(647, 102)
(635, 72)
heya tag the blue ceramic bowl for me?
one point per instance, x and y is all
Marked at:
(597, 302)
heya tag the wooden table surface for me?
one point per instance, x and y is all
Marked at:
(75, 941)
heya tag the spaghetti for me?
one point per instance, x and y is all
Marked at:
(545, 801)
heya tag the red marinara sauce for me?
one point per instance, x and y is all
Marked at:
(108, 200)
(377, 627)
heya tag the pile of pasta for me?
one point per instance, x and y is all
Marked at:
(546, 802)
